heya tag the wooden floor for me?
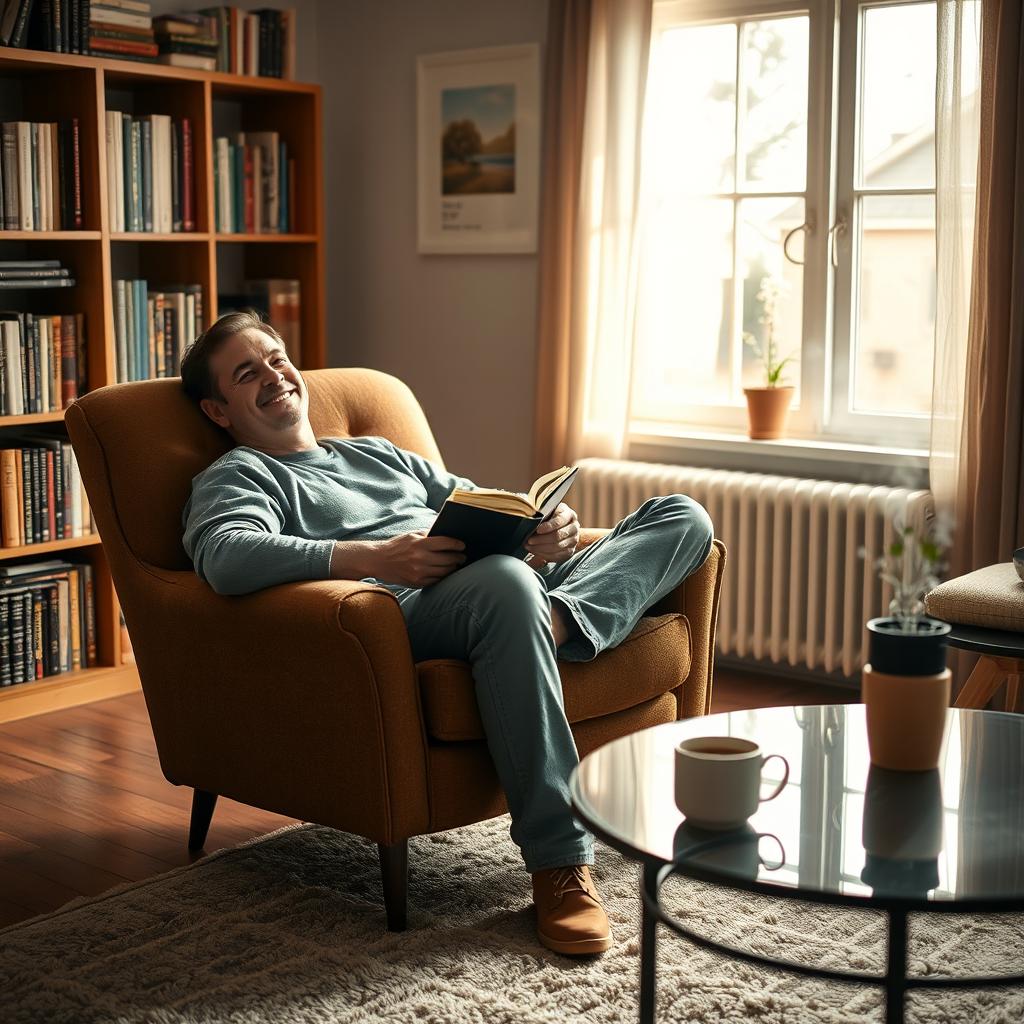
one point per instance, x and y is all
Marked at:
(84, 806)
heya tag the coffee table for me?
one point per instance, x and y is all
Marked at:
(842, 832)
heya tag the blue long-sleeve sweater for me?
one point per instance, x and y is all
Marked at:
(254, 520)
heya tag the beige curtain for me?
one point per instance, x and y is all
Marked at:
(957, 118)
(587, 300)
(565, 91)
(990, 491)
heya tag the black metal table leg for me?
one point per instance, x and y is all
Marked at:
(896, 968)
(648, 945)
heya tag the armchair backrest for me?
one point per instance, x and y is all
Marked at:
(139, 445)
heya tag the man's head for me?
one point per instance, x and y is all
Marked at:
(239, 374)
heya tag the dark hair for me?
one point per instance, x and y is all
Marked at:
(195, 360)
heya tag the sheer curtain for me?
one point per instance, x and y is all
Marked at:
(605, 250)
(957, 124)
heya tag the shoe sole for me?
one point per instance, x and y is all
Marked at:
(577, 947)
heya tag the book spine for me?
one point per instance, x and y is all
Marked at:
(57, 494)
(138, 221)
(52, 651)
(126, 172)
(37, 634)
(68, 362)
(176, 218)
(75, 614)
(6, 668)
(16, 610)
(77, 217)
(5, 408)
(187, 176)
(24, 132)
(10, 511)
(146, 158)
(20, 34)
(64, 176)
(9, 158)
(66, 484)
(40, 496)
(90, 617)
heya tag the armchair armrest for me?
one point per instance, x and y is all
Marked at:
(301, 699)
(697, 597)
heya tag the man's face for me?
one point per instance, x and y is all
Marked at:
(264, 396)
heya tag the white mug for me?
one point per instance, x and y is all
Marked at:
(718, 780)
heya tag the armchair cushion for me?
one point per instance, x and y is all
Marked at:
(651, 661)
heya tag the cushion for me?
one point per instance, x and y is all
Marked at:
(992, 597)
(652, 660)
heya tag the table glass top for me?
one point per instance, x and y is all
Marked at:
(840, 825)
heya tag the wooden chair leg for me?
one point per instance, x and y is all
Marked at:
(1013, 693)
(394, 873)
(203, 804)
(983, 682)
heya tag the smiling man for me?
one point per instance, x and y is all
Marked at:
(284, 506)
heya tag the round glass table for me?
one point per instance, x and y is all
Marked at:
(842, 831)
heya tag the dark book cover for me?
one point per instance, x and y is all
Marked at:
(175, 176)
(41, 517)
(187, 176)
(75, 27)
(37, 634)
(9, 151)
(485, 531)
(53, 521)
(76, 175)
(68, 361)
(19, 37)
(33, 273)
(40, 32)
(34, 381)
(16, 613)
(89, 615)
(29, 264)
(29, 657)
(146, 156)
(53, 665)
(33, 136)
(28, 510)
(57, 10)
(34, 283)
(6, 668)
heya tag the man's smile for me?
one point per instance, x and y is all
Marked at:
(278, 398)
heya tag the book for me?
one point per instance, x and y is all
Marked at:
(495, 522)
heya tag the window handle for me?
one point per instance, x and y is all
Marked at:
(838, 228)
(806, 226)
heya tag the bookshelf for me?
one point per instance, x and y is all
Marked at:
(40, 86)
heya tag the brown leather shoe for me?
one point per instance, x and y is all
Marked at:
(570, 918)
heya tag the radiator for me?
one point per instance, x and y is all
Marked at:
(801, 581)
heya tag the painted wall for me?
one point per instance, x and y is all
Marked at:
(460, 330)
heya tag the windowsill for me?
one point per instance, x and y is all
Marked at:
(832, 460)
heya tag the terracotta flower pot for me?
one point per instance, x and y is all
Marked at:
(767, 409)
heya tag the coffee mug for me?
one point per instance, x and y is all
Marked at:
(718, 780)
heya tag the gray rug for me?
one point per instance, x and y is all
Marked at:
(289, 929)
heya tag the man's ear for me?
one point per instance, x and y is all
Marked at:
(215, 411)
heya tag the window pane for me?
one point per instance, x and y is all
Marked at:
(691, 109)
(894, 328)
(684, 330)
(897, 120)
(774, 128)
(772, 286)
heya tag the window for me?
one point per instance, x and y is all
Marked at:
(788, 195)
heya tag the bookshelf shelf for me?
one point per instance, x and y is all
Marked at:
(49, 236)
(48, 547)
(267, 238)
(153, 236)
(40, 86)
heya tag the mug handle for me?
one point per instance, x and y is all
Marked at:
(782, 785)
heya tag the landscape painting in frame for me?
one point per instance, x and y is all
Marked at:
(478, 150)
(478, 142)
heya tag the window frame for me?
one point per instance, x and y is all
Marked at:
(824, 412)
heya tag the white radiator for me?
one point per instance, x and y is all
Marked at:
(800, 581)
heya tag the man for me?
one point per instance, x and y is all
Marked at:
(283, 506)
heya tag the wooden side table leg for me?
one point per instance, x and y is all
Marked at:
(1013, 694)
(982, 683)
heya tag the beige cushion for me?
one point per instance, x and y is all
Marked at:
(993, 597)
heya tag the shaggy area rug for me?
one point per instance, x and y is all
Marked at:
(289, 928)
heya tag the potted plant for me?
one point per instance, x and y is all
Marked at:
(768, 406)
(906, 686)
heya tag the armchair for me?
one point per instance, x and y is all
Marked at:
(304, 699)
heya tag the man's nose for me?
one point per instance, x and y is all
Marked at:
(270, 375)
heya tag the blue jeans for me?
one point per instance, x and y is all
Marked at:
(496, 614)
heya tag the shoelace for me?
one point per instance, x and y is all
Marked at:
(570, 879)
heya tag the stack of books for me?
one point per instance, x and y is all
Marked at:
(253, 183)
(41, 494)
(121, 29)
(279, 302)
(187, 40)
(150, 172)
(47, 620)
(40, 176)
(153, 326)
(42, 362)
(257, 43)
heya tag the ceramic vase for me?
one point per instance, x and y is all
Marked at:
(905, 688)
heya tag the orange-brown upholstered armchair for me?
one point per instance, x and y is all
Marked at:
(304, 699)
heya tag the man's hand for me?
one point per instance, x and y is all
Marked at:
(414, 559)
(555, 540)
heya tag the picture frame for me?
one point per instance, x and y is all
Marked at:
(478, 150)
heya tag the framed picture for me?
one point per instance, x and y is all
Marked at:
(478, 124)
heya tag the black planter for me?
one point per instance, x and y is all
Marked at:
(921, 653)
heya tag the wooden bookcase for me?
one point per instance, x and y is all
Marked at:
(38, 86)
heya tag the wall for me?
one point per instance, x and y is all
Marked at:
(460, 330)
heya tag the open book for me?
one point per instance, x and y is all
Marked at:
(494, 522)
